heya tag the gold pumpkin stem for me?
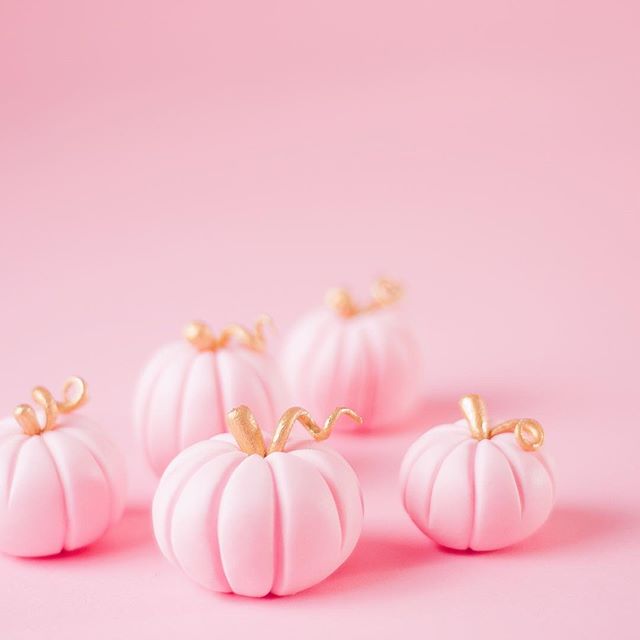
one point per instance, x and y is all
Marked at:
(27, 417)
(527, 431)
(244, 428)
(290, 416)
(384, 292)
(475, 412)
(202, 338)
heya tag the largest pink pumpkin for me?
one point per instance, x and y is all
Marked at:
(363, 357)
(469, 487)
(61, 487)
(188, 387)
(251, 521)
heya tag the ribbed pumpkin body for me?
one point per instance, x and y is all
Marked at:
(60, 490)
(475, 494)
(370, 362)
(184, 395)
(251, 525)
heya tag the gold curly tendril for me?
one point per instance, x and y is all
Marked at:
(74, 395)
(244, 428)
(384, 292)
(527, 431)
(202, 338)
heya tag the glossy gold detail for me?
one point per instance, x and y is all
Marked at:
(74, 394)
(475, 412)
(290, 416)
(244, 428)
(203, 339)
(527, 431)
(384, 292)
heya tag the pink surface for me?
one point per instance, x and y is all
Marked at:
(162, 162)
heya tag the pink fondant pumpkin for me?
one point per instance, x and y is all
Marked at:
(62, 485)
(468, 486)
(189, 386)
(236, 517)
(362, 357)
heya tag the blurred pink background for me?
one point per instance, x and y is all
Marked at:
(164, 161)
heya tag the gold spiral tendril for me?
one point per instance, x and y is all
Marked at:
(202, 338)
(74, 393)
(527, 431)
(244, 428)
(290, 416)
(384, 292)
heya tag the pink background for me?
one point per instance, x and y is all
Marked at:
(165, 161)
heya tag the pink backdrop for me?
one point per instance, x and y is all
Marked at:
(165, 161)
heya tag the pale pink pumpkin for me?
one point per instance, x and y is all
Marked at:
(188, 387)
(467, 486)
(236, 517)
(62, 485)
(363, 357)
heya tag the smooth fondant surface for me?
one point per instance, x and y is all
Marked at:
(252, 525)
(60, 490)
(475, 494)
(370, 362)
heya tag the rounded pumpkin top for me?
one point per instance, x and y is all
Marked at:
(384, 292)
(200, 335)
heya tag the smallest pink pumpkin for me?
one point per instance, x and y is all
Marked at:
(62, 485)
(238, 517)
(469, 486)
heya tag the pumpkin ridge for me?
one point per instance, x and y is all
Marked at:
(219, 393)
(180, 405)
(214, 504)
(415, 460)
(63, 491)
(168, 519)
(314, 345)
(545, 465)
(332, 492)
(435, 476)
(69, 432)
(278, 537)
(12, 469)
(186, 459)
(261, 381)
(472, 471)
(514, 475)
(372, 393)
(150, 392)
(338, 364)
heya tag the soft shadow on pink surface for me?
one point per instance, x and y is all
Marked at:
(377, 557)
